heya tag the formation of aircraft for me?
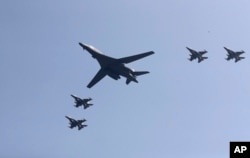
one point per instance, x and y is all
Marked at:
(79, 102)
(82, 102)
(113, 67)
(230, 55)
(76, 123)
(234, 55)
(196, 55)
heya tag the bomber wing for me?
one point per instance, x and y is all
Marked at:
(100, 74)
(135, 57)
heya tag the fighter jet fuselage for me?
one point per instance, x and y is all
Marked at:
(82, 102)
(196, 55)
(113, 67)
(234, 55)
(76, 123)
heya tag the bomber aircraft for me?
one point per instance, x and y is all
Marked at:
(82, 102)
(76, 123)
(114, 67)
(196, 54)
(234, 55)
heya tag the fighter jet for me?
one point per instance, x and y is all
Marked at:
(195, 54)
(82, 102)
(76, 123)
(234, 55)
(113, 67)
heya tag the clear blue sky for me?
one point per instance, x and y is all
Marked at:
(180, 109)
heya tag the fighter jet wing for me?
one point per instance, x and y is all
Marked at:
(191, 58)
(73, 96)
(229, 51)
(135, 57)
(203, 52)
(239, 53)
(191, 50)
(100, 74)
(70, 119)
(81, 121)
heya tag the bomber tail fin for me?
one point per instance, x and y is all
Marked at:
(129, 80)
(136, 73)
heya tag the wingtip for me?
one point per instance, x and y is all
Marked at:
(150, 53)
(89, 86)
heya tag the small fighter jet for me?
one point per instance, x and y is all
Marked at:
(76, 123)
(114, 67)
(82, 102)
(195, 54)
(234, 55)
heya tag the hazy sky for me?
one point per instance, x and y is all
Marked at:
(180, 109)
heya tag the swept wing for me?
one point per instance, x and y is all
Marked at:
(203, 52)
(70, 119)
(135, 57)
(239, 53)
(100, 74)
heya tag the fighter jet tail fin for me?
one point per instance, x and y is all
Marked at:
(202, 59)
(82, 126)
(88, 105)
(238, 59)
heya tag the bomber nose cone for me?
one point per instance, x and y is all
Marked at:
(84, 46)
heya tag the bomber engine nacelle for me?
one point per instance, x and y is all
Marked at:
(114, 76)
